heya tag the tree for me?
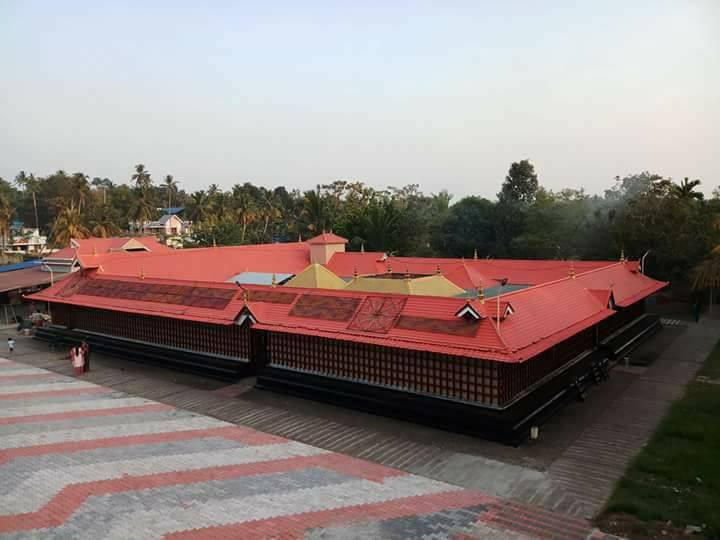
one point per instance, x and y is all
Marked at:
(30, 185)
(103, 221)
(469, 226)
(521, 183)
(245, 208)
(141, 210)
(316, 212)
(199, 207)
(380, 224)
(68, 225)
(80, 190)
(141, 177)
(222, 233)
(170, 186)
(685, 190)
(6, 214)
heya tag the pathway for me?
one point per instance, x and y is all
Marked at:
(80, 460)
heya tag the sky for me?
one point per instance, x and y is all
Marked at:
(297, 93)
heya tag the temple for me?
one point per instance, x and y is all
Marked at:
(484, 346)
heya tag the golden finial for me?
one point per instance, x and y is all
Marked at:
(355, 273)
(299, 237)
(475, 254)
(480, 292)
(274, 280)
(437, 270)
(245, 297)
(571, 273)
(389, 268)
(142, 272)
(362, 247)
(214, 242)
(622, 255)
(407, 274)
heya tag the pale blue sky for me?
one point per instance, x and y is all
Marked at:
(444, 94)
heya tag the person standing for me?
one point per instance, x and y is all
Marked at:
(78, 361)
(11, 345)
(85, 348)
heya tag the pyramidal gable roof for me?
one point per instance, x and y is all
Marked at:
(427, 286)
(467, 277)
(327, 238)
(316, 276)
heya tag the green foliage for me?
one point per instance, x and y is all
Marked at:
(222, 233)
(677, 475)
(639, 212)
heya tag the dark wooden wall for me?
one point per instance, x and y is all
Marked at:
(223, 340)
(463, 379)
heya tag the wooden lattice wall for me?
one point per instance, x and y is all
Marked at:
(223, 340)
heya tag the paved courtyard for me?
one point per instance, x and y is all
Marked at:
(80, 460)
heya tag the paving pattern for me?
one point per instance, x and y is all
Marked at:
(79, 460)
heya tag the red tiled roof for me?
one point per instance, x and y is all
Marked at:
(215, 264)
(327, 238)
(80, 288)
(543, 315)
(344, 264)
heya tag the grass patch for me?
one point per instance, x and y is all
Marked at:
(677, 475)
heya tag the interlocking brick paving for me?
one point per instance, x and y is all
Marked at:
(81, 461)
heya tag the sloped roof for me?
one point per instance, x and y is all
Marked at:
(327, 238)
(189, 300)
(316, 276)
(346, 263)
(427, 285)
(216, 264)
(543, 315)
(26, 278)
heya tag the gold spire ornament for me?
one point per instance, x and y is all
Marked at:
(214, 242)
(480, 292)
(245, 297)
(407, 275)
(571, 273)
(389, 269)
(362, 247)
(142, 272)
(274, 280)
(475, 256)
(355, 273)
(622, 255)
(437, 270)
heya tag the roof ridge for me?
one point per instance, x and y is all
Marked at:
(556, 281)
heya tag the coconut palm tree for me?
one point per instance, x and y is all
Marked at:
(315, 212)
(141, 210)
(67, 226)
(141, 177)
(245, 209)
(686, 190)
(199, 207)
(380, 224)
(31, 185)
(170, 185)
(81, 190)
(706, 276)
(102, 222)
(6, 214)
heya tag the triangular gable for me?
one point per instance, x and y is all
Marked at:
(244, 316)
(133, 244)
(505, 309)
(604, 297)
(468, 312)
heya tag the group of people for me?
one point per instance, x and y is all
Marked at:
(80, 358)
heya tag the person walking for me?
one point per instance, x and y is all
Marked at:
(11, 345)
(85, 347)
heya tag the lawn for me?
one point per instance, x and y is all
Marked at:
(677, 475)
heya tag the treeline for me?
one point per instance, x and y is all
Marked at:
(638, 213)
